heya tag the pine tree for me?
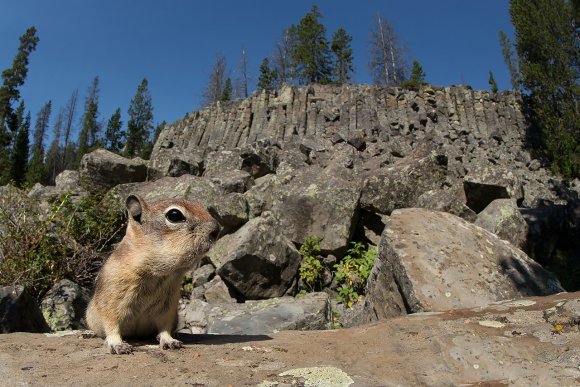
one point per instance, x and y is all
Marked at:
(12, 79)
(114, 133)
(90, 127)
(227, 91)
(20, 150)
(548, 46)
(510, 60)
(492, 82)
(140, 121)
(241, 89)
(417, 78)
(342, 52)
(310, 53)
(268, 76)
(36, 169)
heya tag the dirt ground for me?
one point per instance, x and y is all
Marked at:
(510, 344)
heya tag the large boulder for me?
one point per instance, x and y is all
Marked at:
(434, 261)
(401, 185)
(320, 204)
(101, 170)
(64, 306)
(257, 260)
(19, 312)
(503, 218)
(485, 184)
(311, 312)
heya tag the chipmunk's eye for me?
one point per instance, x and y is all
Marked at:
(175, 216)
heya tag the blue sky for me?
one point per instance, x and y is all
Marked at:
(173, 43)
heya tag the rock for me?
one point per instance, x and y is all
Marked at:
(447, 200)
(231, 211)
(217, 292)
(401, 185)
(234, 181)
(484, 185)
(202, 275)
(63, 307)
(311, 312)
(19, 312)
(503, 218)
(319, 204)
(434, 261)
(68, 181)
(191, 164)
(101, 170)
(257, 260)
(218, 162)
(260, 159)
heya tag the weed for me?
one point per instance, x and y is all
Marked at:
(353, 271)
(311, 269)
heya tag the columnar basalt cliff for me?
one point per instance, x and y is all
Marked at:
(355, 113)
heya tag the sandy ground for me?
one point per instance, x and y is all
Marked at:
(510, 344)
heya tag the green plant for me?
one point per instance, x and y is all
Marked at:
(311, 269)
(39, 247)
(353, 271)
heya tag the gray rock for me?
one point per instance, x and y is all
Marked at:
(434, 261)
(447, 200)
(484, 185)
(234, 181)
(311, 312)
(202, 275)
(503, 218)
(217, 292)
(19, 312)
(101, 170)
(63, 307)
(219, 162)
(68, 181)
(320, 204)
(401, 185)
(231, 212)
(257, 260)
(185, 165)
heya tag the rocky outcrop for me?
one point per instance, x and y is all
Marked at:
(434, 261)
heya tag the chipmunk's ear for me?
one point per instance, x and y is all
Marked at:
(135, 205)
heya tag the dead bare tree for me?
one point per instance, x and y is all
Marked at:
(216, 82)
(388, 64)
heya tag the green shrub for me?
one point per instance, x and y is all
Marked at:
(353, 271)
(68, 240)
(311, 269)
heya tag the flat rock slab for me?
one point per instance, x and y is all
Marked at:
(435, 261)
(523, 343)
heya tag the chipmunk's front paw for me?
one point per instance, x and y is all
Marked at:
(118, 347)
(169, 342)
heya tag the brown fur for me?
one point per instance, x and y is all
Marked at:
(138, 287)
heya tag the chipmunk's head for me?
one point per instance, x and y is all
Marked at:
(173, 234)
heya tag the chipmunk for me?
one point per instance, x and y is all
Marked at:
(138, 287)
